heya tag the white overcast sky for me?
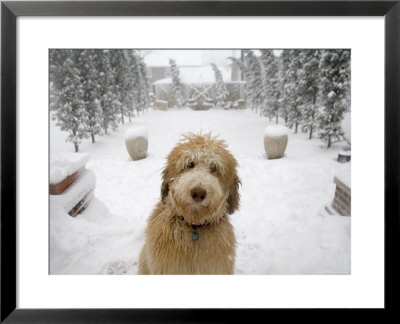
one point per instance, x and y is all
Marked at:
(190, 57)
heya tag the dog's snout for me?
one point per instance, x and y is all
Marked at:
(198, 194)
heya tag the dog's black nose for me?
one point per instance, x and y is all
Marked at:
(198, 194)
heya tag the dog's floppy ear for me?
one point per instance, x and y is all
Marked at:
(233, 198)
(165, 184)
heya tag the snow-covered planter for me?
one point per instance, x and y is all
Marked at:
(229, 105)
(207, 105)
(344, 156)
(342, 199)
(161, 104)
(239, 104)
(136, 141)
(210, 101)
(65, 168)
(275, 141)
(78, 196)
(71, 185)
(200, 106)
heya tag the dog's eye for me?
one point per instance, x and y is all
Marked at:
(213, 168)
(190, 165)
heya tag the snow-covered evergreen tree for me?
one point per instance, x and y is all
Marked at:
(120, 66)
(144, 84)
(254, 87)
(140, 82)
(177, 87)
(271, 84)
(292, 96)
(91, 90)
(309, 82)
(222, 92)
(108, 93)
(239, 62)
(136, 83)
(335, 94)
(131, 83)
(284, 61)
(67, 93)
(89, 78)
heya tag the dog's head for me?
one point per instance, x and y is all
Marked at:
(200, 179)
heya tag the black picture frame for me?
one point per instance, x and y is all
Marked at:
(9, 13)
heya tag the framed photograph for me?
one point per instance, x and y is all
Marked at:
(215, 142)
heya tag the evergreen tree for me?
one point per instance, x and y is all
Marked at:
(120, 67)
(177, 87)
(309, 81)
(131, 83)
(335, 94)
(89, 78)
(67, 93)
(107, 92)
(239, 62)
(222, 92)
(284, 60)
(144, 84)
(90, 88)
(141, 84)
(292, 96)
(252, 71)
(271, 84)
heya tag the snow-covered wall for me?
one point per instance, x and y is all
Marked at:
(75, 193)
(63, 164)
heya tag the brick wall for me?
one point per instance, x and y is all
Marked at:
(342, 200)
(59, 188)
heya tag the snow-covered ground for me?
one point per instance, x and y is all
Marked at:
(282, 226)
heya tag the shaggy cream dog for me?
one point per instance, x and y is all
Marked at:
(189, 230)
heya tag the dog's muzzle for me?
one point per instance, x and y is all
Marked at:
(198, 194)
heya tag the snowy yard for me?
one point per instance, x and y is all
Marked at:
(282, 226)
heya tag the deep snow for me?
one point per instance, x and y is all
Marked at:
(74, 194)
(282, 226)
(136, 131)
(276, 131)
(63, 164)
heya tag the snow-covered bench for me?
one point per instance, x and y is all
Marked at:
(71, 184)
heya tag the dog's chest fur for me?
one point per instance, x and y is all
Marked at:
(173, 250)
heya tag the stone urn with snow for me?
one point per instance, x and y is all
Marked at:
(275, 141)
(136, 141)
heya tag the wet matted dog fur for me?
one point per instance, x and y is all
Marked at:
(189, 231)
